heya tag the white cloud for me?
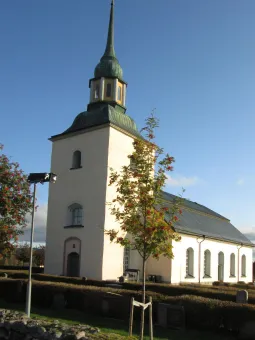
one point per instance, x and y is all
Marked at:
(40, 225)
(240, 181)
(182, 181)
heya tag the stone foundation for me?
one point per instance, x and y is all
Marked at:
(17, 326)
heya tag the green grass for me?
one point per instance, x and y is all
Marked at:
(111, 328)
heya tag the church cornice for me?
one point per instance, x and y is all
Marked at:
(218, 239)
(93, 128)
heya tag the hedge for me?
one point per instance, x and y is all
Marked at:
(201, 313)
(19, 268)
(223, 293)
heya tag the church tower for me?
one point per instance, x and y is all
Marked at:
(98, 139)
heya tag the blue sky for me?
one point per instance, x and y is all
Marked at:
(192, 60)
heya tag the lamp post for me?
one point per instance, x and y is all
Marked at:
(35, 178)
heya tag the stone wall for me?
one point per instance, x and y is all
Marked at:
(17, 326)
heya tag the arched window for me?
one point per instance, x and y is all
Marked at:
(207, 263)
(126, 257)
(76, 160)
(243, 269)
(108, 90)
(220, 266)
(119, 92)
(190, 262)
(76, 214)
(96, 93)
(232, 265)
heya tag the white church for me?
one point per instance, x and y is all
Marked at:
(211, 248)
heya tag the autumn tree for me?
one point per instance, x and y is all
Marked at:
(23, 253)
(38, 256)
(15, 203)
(146, 221)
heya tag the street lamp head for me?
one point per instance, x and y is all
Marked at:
(42, 177)
(53, 178)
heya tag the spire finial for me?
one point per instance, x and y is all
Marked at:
(109, 50)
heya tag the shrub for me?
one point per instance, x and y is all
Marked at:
(12, 290)
(222, 293)
(21, 268)
(219, 290)
(201, 313)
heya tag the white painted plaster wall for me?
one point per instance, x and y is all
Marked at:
(120, 146)
(86, 186)
(163, 266)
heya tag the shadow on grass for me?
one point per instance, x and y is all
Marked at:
(109, 325)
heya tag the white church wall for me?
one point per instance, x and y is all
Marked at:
(85, 186)
(120, 146)
(179, 262)
(161, 267)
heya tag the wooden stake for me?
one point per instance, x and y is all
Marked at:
(150, 321)
(131, 316)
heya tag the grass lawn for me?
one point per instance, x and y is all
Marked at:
(111, 329)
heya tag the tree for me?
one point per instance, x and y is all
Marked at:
(146, 221)
(38, 256)
(15, 203)
(23, 253)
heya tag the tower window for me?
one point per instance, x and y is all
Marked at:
(77, 216)
(76, 160)
(108, 90)
(97, 92)
(119, 93)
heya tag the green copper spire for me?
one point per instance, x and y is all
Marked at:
(109, 50)
(109, 65)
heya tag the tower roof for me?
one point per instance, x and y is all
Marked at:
(109, 65)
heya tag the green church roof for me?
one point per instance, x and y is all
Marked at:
(102, 115)
(109, 65)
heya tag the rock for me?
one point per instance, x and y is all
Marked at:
(28, 337)
(19, 327)
(80, 335)
(35, 331)
(58, 335)
(68, 336)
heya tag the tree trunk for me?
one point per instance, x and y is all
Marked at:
(142, 312)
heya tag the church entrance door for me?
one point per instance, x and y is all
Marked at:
(73, 264)
(221, 266)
